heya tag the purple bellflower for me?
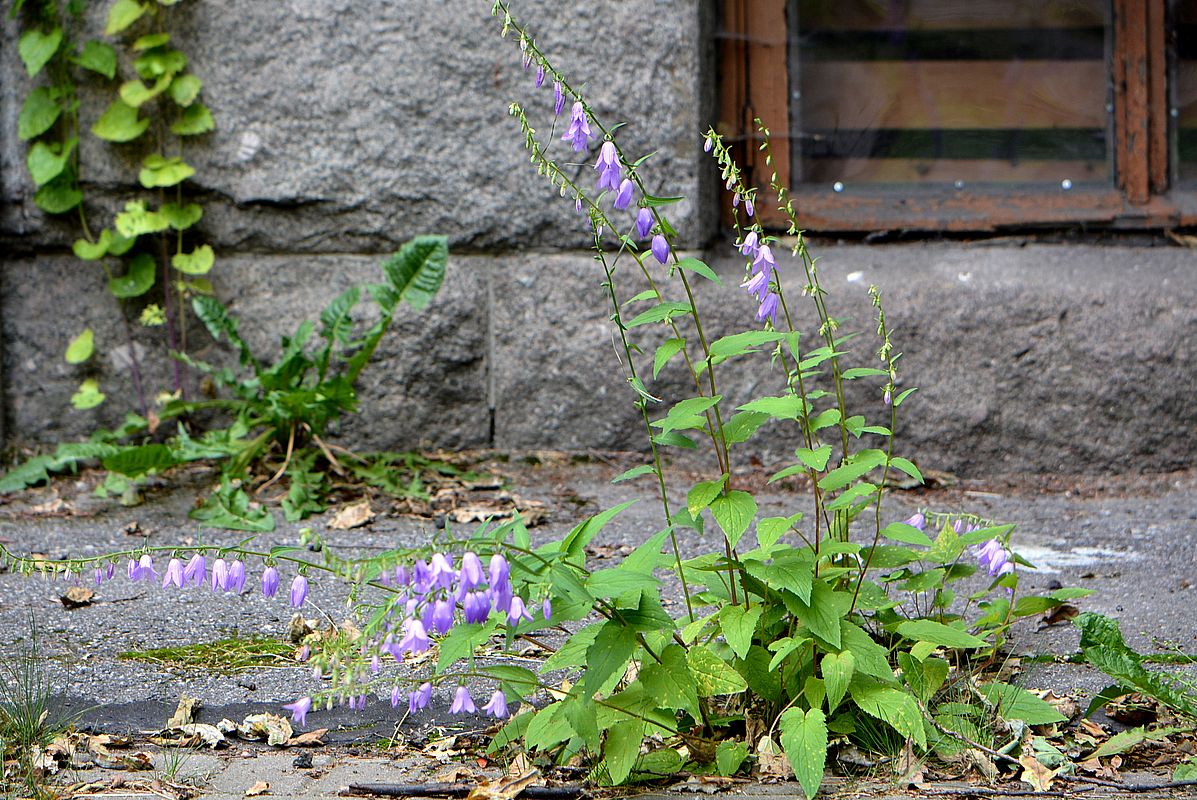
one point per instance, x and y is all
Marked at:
(442, 616)
(299, 710)
(624, 198)
(462, 702)
(547, 608)
(539, 75)
(270, 582)
(518, 611)
(578, 132)
(415, 636)
(993, 558)
(420, 698)
(608, 167)
(497, 707)
(917, 521)
(299, 591)
(220, 575)
(174, 574)
(476, 607)
(660, 249)
(471, 571)
(196, 571)
(768, 309)
(749, 246)
(644, 222)
(558, 98)
(236, 579)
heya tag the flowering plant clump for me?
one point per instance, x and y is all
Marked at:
(801, 633)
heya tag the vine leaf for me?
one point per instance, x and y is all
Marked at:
(138, 280)
(158, 172)
(120, 123)
(88, 395)
(38, 114)
(198, 262)
(196, 119)
(123, 14)
(37, 48)
(804, 740)
(81, 347)
(98, 57)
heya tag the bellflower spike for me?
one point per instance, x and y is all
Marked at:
(220, 575)
(499, 571)
(396, 695)
(608, 167)
(236, 581)
(578, 132)
(421, 697)
(660, 248)
(174, 574)
(299, 591)
(764, 261)
(299, 710)
(497, 707)
(462, 702)
(558, 98)
(644, 222)
(749, 209)
(887, 398)
(269, 582)
(196, 571)
(99, 573)
(134, 571)
(442, 570)
(624, 198)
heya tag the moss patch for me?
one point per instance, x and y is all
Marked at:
(225, 655)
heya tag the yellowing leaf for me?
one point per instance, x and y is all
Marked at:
(81, 347)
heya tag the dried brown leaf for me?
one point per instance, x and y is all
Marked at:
(770, 760)
(504, 788)
(259, 788)
(309, 739)
(1035, 773)
(77, 597)
(184, 713)
(353, 515)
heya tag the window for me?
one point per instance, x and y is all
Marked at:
(949, 115)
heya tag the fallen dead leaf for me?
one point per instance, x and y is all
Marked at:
(259, 788)
(274, 729)
(353, 515)
(77, 597)
(982, 762)
(908, 768)
(309, 739)
(184, 713)
(520, 765)
(770, 760)
(196, 734)
(1182, 239)
(1034, 773)
(1067, 707)
(52, 507)
(1059, 614)
(504, 788)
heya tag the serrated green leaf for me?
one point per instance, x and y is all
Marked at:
(669, 682)
(606, 658)
(742, 426)
(837, 669)
(123, 14)
(686, 414)
(712, 675)
(947, 547)
(194, 120)
(737, 344)
(699, 268)
(894, 707)
(39, 112)
(703, 492)
(729, 756)
(159, 172)
(1013, 702)
(659, 313)
(925, 630)
(823, 612)
(81, 347)
(792, 574)
(133, 462)
(804, 740)
(789, 407)
(906, 534)
(668, 349)
(120, 123)
(417, 270)
(924, 677)
(198, 262)
(635, 472)
(616, 581)
(184, 89)
(621, 749)
(46, 163)
(88, 395)
(37, 48)
(862, 464)
(734, 512)
(906, 466)
(738, 626)
(138, 278)
(229, 508)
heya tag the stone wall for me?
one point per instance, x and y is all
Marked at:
(378, 121)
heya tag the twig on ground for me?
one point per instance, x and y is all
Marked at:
(1129, 787)
(459, 790)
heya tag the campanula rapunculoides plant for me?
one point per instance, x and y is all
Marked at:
(802, 632)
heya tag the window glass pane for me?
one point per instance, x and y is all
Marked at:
(949, 92)
(1185, 89)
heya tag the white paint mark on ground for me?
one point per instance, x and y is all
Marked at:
(1050, 559)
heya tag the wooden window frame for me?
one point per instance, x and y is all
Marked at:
(754, 82)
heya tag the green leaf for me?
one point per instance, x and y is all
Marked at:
(669, 682)
(907, 467)
(181, 217)
(815, 459)
(59, 195)
(738, 344)
(98, 57)
(150, 40)
(89, 251)
(734, 512)
(616, 581)
(699, 268)
(743, 425)
(687, 414)
(712, 675)
(88, 395)
(46, 163)
(894, 707)
(37, 48)
(1104, 648)
(39, 112)
(136, 220)
(925, 630)
(621, 749)
(729, 756)
(194, 120)
(793, 575)
(789, 406)
(123, 14)
(823, 612)
(514, 681)
(548, 728)
(862, 372)
(668, 349)
(198, 262)
(120, 123)
(159, 172)
(906, 534)
(947, 547)
(229, 508)
(184, 89)
(138, 278)
(738, 626)
(703, 493)
(81, 347)
(862, 464)
(1012, 702)
(417, 270)
(659, 313)
(837, 669)
(804, 740)
(1185, 771)
(160, 65)
(635, 472)
(923, 677)
(133, 462)
(510, 734)
(607, 657)
(136, 94)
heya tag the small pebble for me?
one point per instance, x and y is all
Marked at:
(303, 761)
